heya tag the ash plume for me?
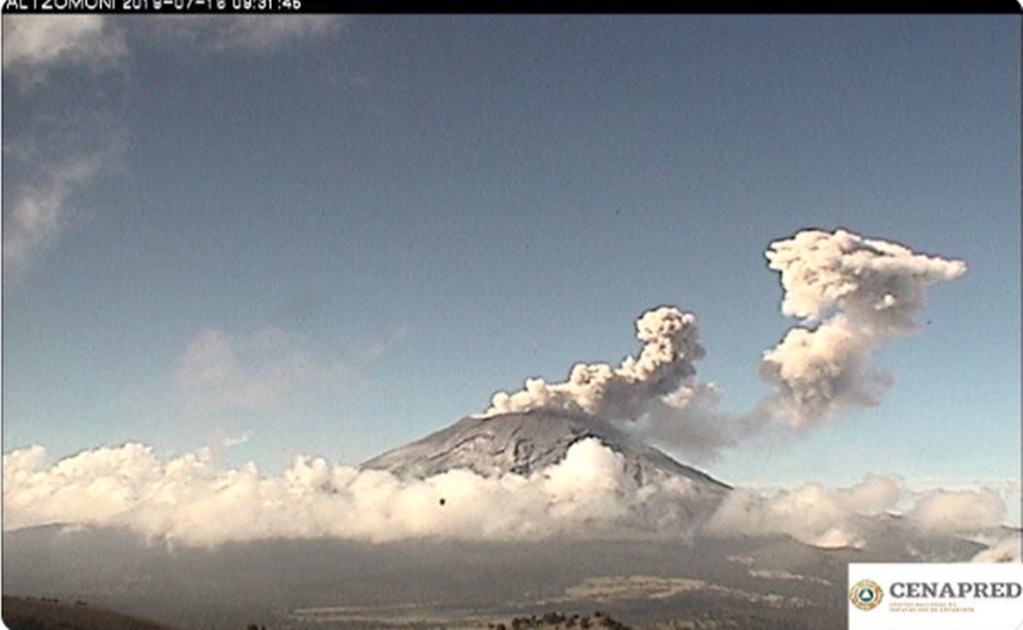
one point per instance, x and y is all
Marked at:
(671, 345)
(852, 294)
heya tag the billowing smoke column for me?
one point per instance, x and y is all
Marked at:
(853, 294)
(670, 346)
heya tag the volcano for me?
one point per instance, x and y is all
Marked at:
(528, 443)
(524, 443)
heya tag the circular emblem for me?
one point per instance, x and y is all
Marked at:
(866, 594)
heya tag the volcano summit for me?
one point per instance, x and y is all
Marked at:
(658, 494)
(524, 443)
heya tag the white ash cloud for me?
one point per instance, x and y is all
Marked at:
(852, 294)
(689, 423)
(671, 345)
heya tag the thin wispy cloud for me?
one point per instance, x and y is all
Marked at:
(48, 164)
(38, 213)
(55, 154)
(246, 33)
(385, 344)
(34, 44)
(262, 373)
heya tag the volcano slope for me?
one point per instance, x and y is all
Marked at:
(658, 495)
(523, 443)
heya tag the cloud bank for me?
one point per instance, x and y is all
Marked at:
(847, 517)
(191, 500)
(852, 295)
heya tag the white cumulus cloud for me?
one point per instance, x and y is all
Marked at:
(845, 517)
(192, 500)
(957, 510)
(189, 500)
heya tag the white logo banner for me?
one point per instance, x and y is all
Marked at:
(927, 596)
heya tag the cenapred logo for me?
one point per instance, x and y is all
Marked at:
(927, 596)
(866, 594)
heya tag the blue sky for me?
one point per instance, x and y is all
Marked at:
(333, 235)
